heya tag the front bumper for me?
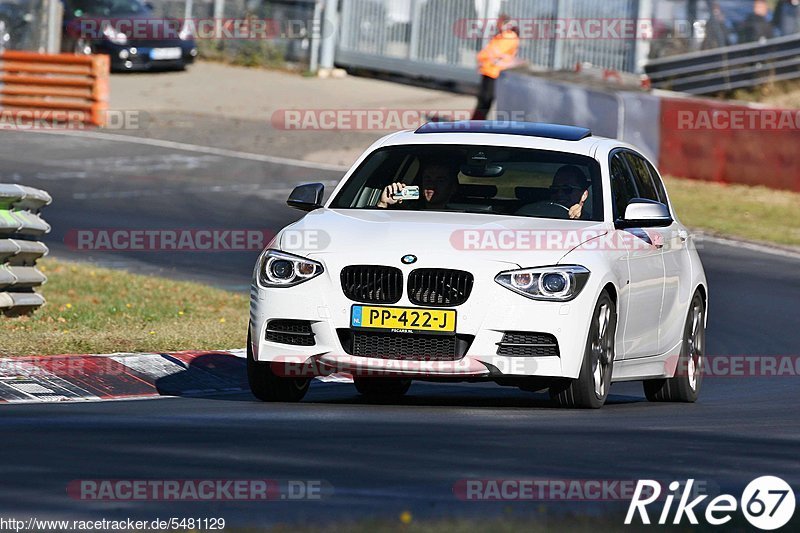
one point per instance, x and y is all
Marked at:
(135, 57)
(490, 311)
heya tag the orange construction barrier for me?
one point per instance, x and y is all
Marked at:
(59, 86)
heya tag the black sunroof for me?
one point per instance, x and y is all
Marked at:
(528, 129)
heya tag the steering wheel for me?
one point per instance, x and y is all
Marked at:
(545, 209)
(556, 204)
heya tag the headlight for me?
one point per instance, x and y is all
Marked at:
(116, 37)
(279, 269)
(557, 283)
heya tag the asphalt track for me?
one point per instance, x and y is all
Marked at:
(379, 459)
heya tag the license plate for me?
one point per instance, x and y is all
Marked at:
(403, 320)
(165, 53)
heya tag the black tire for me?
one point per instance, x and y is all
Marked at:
(590, 390)
(382, 389)
(685, 385)
(268, 387)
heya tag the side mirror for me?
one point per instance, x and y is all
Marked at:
(307, 197)
(642, 213)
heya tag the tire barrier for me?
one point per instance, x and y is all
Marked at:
(20, 228)
(55, 88)
(688, 137)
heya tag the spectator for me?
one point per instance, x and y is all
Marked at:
(498, 55)
(716, 29)
(787, 17)
(756, 27)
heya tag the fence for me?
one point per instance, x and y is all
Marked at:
(54, 87)
(294, 15)
(728, 68)
(20, 227)
(426, 37)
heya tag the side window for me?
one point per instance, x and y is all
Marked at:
(641, 175)
(622, 189)
(657, 180)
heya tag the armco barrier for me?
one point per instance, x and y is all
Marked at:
(54, 87)
(20, 227)
(689, 137)
(729, 67)
(605, 110)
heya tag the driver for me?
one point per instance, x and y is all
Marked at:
(570, 189)
(439, 181)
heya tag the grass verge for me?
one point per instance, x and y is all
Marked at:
(753, 213)
(95, 310)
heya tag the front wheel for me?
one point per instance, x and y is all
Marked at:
(685, 385)
(590, 390)
(268, 387)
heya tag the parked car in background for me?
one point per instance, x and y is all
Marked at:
(110, 27)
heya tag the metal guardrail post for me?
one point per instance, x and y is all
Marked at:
(642, 46)
(330, 33)
(55, 15)
(413, 41)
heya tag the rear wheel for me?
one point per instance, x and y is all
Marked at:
(590, 390)
(382, 389)
(685, 385)
(268, 387)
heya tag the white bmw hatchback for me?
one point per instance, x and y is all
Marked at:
(531, 255)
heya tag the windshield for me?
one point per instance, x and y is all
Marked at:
(107, 8)
(476, 179)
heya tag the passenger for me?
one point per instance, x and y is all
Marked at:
(570, 189)
(439, 183)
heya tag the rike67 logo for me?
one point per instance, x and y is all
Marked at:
(767, 502)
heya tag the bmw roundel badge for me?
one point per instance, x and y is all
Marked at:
(409, 259)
